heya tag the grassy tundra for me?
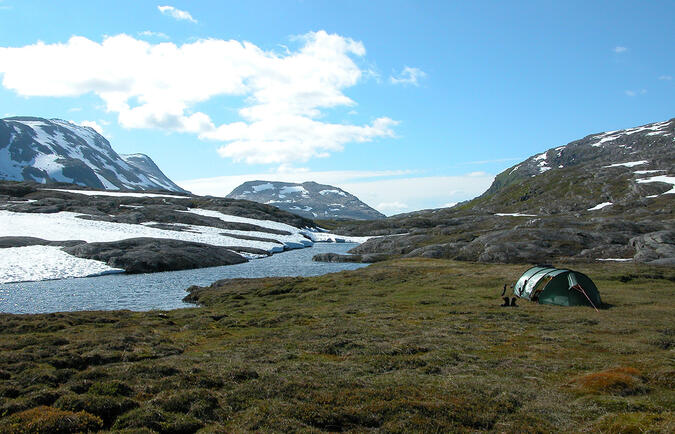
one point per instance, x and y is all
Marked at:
(407, 345)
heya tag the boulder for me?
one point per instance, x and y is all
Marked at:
(148, 255)
(655, 247)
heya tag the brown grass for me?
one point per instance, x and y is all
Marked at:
(617, 381)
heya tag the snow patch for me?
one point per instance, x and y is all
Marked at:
(115, 193)
(662, 178)
(616, 259)
(24, 264)
(296, 189)
(644, 172)
(610, 136)
(600, 206)
(325, 192)
(629, 164)
(516, 214)
(262, 187)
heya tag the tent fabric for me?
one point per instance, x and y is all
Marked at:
(563, 287)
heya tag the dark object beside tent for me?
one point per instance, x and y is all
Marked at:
(548, 285)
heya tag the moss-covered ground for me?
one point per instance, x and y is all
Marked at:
(401, 346)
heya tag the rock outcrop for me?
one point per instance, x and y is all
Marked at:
(149, 255)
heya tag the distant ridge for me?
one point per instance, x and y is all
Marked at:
(309, 199)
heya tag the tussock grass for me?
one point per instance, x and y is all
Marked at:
(399, 346)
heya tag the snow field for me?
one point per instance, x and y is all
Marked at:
(23, 264)
(19, 264)
(115, 193)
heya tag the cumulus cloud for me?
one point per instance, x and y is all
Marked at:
(408, 76)
(176, 13)
(635, 92)
(666, 77)
(619, 49)
(91, 124)
(157, 86)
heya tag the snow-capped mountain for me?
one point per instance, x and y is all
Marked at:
(54, 150)
(308, 199)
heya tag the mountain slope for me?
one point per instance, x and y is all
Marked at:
(608, 196)
(625, 167)
(309, 199)
(48, 151)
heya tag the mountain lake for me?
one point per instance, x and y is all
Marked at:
(163, 291)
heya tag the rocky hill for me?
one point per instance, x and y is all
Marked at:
(309, 199)
(608, 196)
(48, 151)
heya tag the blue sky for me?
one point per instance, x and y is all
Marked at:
(408, 105)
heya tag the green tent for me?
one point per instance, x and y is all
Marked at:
(548, 285)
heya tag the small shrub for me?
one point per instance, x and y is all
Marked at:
(618, 381)
(42, 397)
(243, 374)
(9, 392)
(637, 423)
(153, 371)
(50, 420)
(158, 420)
(199, 403)
(37, 375)
(110, 388)
(105, 407)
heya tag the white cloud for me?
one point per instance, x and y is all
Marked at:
(391, 208)
(665, 77)
(408, 76)
(619, 49)
(151, 34)
(635, 92)
(74, 109)
(176, 13)
(381, 189)
(157, 85)
(91, 124)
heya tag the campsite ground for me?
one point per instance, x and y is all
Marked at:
(399, 346)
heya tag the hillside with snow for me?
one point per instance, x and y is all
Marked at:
(51, 233)
(309, 199)
(54, 150)
(608, 196)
